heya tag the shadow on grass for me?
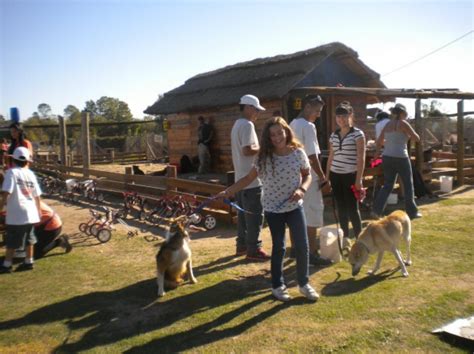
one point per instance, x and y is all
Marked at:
(111, 316)
(219, 264)
(353, 285)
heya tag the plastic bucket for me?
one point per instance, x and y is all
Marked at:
(392, 199)
(446, 184)
(328, 243)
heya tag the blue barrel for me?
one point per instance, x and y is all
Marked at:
(15, 115)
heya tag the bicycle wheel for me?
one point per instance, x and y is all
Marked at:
(94, 229)
(83, 227)
(104, 235)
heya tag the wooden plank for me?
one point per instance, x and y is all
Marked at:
(444, 163)
(194, 186)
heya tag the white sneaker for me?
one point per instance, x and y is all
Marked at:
(308, 292)
(281, 293)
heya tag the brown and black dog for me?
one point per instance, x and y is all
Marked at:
(173, 260)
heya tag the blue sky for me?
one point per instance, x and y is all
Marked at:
(67, 52)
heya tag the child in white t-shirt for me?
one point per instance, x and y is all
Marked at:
(21, 192)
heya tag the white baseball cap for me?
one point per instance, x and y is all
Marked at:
(21, 153)
(251, 100)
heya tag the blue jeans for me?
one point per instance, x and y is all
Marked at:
(250, 225)
(296, 222)
(392, 167)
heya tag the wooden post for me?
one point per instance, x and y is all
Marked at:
(460, 153)
(419, 129)
(171, 172)
(86, 149)
(63, 140)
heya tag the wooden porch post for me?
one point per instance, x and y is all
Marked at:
(419, 129)
(63, 140)
(460, 153)
(86, 149)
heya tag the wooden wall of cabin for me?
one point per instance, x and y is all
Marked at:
(182, 134)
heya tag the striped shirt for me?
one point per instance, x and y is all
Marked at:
(345, 150)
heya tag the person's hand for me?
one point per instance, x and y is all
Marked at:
(297, 195)
(325, 187)
(225, 194)
(358, 184)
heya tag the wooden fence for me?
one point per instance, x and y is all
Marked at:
(151, 187)
(110, 157)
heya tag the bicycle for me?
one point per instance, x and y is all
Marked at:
(85, 227)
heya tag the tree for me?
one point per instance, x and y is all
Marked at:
(2, 118)
(113, 109)
(432, 110)
(44, 110)
(70, 110)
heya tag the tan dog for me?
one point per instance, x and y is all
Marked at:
(380, 236)
(173, 260)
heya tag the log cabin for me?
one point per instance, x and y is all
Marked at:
(280, 82)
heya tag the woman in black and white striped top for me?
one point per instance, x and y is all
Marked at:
(345, 167)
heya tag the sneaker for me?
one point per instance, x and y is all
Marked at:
(64, 243)
(5, 270)
(241, 250)
(259, 255)
(308, 292)
(24, 267)
(281, 293)
(316, 260)
(416, 216)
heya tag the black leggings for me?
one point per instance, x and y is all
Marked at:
(347, 204)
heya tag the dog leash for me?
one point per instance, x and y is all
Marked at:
(339, 241)
(227, 201)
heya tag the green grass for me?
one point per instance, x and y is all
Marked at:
(102, 298)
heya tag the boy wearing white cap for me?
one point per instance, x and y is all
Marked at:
(21, 192)
(245, 147)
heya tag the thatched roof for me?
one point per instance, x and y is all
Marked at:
(267, 78)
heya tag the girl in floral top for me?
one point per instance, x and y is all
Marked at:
(284, 170)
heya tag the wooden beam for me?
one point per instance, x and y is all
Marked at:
(419, 129)
(460, 153)
(63, 140)
(86, 150)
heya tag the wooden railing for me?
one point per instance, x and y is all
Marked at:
(151, 187)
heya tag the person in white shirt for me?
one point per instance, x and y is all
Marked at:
(313, 206)
(21, 192)
(245, 147)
